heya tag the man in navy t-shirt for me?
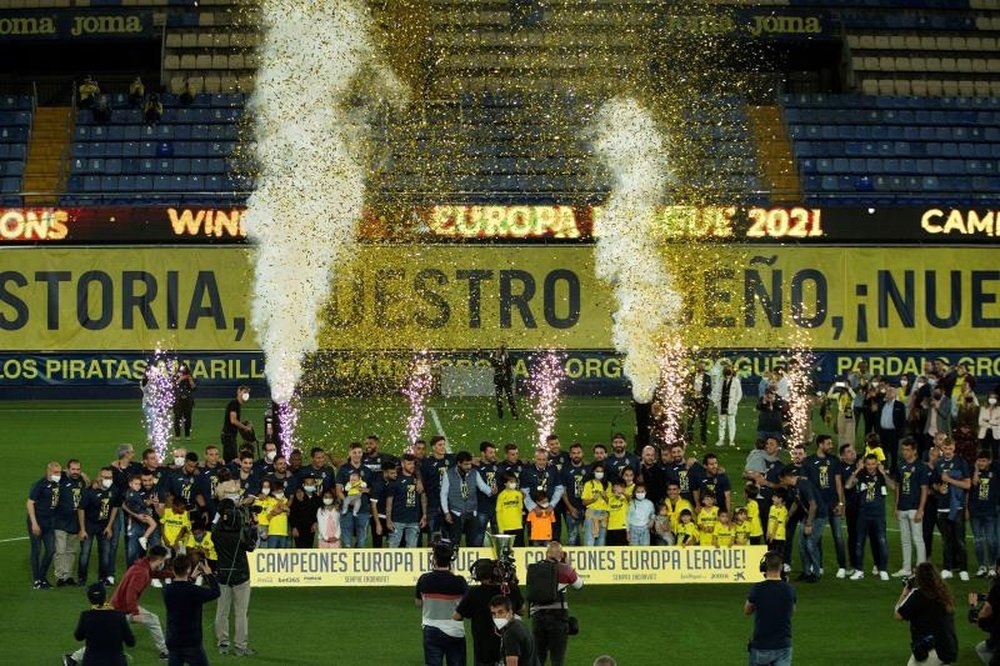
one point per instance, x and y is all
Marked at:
(405, 504)
(772, 603)
(823, 469)
(354, 527)
(573, 473)
(872, 483)
(983, 511)
(950, 480)
(911, 501)
(43, 498)
(812, 513)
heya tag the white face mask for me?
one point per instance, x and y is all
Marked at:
(55, 478)
(903, 382)
(266, 491)
(106, 483)
(599, 475)
(309, 489)
(992, 401)
(233, 496)
(640, 496)
(544, 505)
(270, 456)
(500, 622)
(327, 501)
(178, 461)
(279, 495)
(512, 486)
(245, 396)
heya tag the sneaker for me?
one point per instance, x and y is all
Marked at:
(157, 583)
(946, 574)
(981, 572)
(224, 647)
(144, 542)
(902, 573)
(244, 651)
(963, 575)
(884, 575)
(857, 575)
(850, 572)
(44, 585)
(68, 660)
(37, 585)
(841, 573)
(110, 580)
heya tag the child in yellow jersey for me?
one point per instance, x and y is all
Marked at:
(687, 531)
(707, 518)
(277, 525)
(873, 447)
(176, 525)
(594, 497)
(200, 539)
(776, 520)
(510, 509)
(741, 528)
(672, 507)
(618, 515)
(753, 514)
(265, 502)
(723, 534)
(628, 476)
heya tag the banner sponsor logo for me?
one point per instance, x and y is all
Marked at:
(104, 23)
(597, 566)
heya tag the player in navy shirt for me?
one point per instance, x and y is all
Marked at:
(406, 505)
(823, 470)
(354, 528)
(187, 482)
(319, 470)
(67, 523)
(542, 477)
(687, 477)
(489, 470)
(951, 482)
(872, 483)
(511, 464)
(812, 513)
(852, 503)
(620, 459)
(911, 502)
(432, 469)
(43, 498)
(99, 505)
(573, 475)
(983, 511)
(716, 483)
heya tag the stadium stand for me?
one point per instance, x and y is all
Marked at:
(16, 112)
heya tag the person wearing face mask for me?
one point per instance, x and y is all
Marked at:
(641, 513)
(233, 426)
(265, 465)
(43, 498)
(126, 599)
(233, 538)
(186, 482)
(302, 512)
(67, 523)
(726, 395)
(99, 506)
(989, 426)
(517, 645)
(594, 496)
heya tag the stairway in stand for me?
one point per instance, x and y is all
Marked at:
(48, 149)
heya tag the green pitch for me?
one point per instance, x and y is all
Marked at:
(836, 622)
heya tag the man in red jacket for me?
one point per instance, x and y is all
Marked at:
(126, 599)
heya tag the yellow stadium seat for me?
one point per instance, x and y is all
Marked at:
(943, 43)
(204, 61)
(966, 88)
(934, 64)
(950, 87)
(204, 40)
(236, 61)
(229, 83)
(867, 41)
(246, 83)
(993, 66)
(935, 88)
(918, 64)
(188, 61)
(913, 42)
(919, 87)
(990, 44)
(220, 61)
(220, 40)
(979, 65)
(902, 65)
(897, 42)
(171, 62)
(177, 84)
(964, 64)
(212, 84)
(853, 41)
(903, 87)
(983, 23)
(881, 42)
(949, 65)
(858, 64)
(174, 41)
(928, 43)
(197, 84)
(871, 64)
(982, 88)
(206, 19)
(994, 88)
(250, 60)
(189, 40)
(886, 64)
(886, 87)
(974, 43)
(958, 44)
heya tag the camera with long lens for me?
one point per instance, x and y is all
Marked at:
(242, 518)
(444, 546)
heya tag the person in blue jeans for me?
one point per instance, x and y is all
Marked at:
(771, 603)
(43, 498)
(983, 512)
(872, 483)
(438, 594)
(354, 528)
(813, 511)
(823, 469)
(573, 474)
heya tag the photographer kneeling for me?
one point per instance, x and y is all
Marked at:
(475, 606)
(983, 611)
(927, 604)
(233, 536)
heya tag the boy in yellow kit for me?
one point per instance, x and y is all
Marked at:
(176, 525)
(741, 528)
(618, 515)
(753, 514)
(510, 510)
(724, 532)
(707, 518)
(776, 521)
(687, 531)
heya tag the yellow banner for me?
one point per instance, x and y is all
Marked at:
(401, 567)
(471, 297)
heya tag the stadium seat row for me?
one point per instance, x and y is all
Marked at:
(102, 133)
(212, 40)
(219, 61)
(182, 115)
(914, 42)
(933, 87)
(877, 165)
(180, 166)
(967, 117)
(901, 184)
(11, 168)
(154, 183)
(823, 100)
(894, 132)
(964, 150)
(13, 151)
(163, 149)
(926, 64)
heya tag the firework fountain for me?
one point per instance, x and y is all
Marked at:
(546, 376)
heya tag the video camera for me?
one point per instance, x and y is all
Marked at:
(240, 517)
(501, 570)
(443, 547)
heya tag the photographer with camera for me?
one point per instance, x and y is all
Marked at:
(475, 606)
(983, 612)
(438, 594)
(551, 623)
(772, 603)
(927, 604)
(183, 600)
(233, 536)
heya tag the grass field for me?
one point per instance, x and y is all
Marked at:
(836, 621)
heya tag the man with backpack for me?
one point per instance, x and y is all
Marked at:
(546, 584)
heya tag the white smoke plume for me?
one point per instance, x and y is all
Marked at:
(626, 256)
(303, 214)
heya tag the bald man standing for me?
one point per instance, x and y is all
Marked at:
(43, 499)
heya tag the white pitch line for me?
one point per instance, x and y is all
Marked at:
(440, 430)
(13, 539)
